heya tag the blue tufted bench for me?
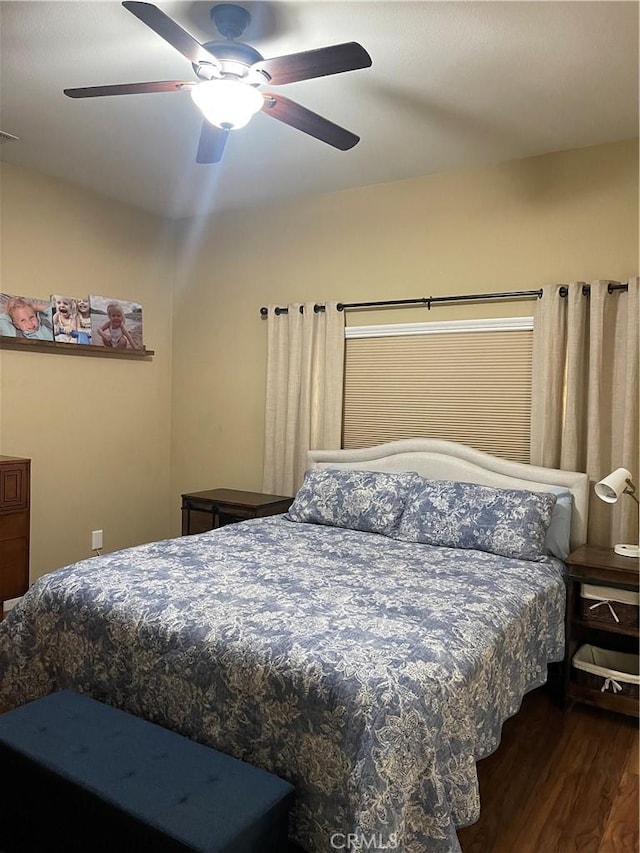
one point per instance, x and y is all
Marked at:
(82, 777)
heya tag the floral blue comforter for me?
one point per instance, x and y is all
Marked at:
(372, 673)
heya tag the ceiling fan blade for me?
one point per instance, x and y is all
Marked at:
(314, 63)
(130, 89)
(170, 31)
(212, 142)
(295, 115)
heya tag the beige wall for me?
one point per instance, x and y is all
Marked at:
(105, 436)
(518, 225)
(97, 430)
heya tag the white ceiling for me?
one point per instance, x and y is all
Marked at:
(453, 85)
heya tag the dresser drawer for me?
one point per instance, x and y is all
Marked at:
(14, 526)
(14, 486)
(14, 572)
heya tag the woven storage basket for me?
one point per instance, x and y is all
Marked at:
(606, 606)
(607, 671)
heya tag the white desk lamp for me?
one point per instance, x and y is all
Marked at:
(609, 490)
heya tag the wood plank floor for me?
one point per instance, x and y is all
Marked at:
(559, 782)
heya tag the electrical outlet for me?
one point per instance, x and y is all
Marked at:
(96, 540)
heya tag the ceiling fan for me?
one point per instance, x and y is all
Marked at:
(229, 73)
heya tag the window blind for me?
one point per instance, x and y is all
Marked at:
(471, 385)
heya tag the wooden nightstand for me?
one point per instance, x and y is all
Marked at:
(598, 567)
(202, 511)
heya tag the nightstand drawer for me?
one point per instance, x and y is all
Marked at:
(605, 606)
(199, 521)
(604, 670)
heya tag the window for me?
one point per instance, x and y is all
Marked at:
(467, 381)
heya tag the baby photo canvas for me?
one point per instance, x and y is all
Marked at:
(25, 317)
(71, 319)
(116, 324)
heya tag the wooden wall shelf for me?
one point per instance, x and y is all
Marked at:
(71, 349)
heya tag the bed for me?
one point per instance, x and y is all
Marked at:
(367, 646)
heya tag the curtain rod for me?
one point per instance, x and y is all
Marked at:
(427, 300)
(438, 300)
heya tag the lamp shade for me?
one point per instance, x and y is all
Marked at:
(227, 103)
(611, 487)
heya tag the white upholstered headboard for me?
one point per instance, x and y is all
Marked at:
(446, 460)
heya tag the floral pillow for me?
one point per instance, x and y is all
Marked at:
(508, 522)
(370, 501)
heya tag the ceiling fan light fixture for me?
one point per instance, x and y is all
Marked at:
(227, 103)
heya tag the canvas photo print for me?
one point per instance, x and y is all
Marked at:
(25, 317)
(71, 317)
(115, 323)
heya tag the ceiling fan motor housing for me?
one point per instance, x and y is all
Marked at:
(230, 20)
(233, 57)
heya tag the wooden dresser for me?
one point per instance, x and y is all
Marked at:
(15, 477)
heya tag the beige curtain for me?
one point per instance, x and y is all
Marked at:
(585, 393)
(305, 364)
